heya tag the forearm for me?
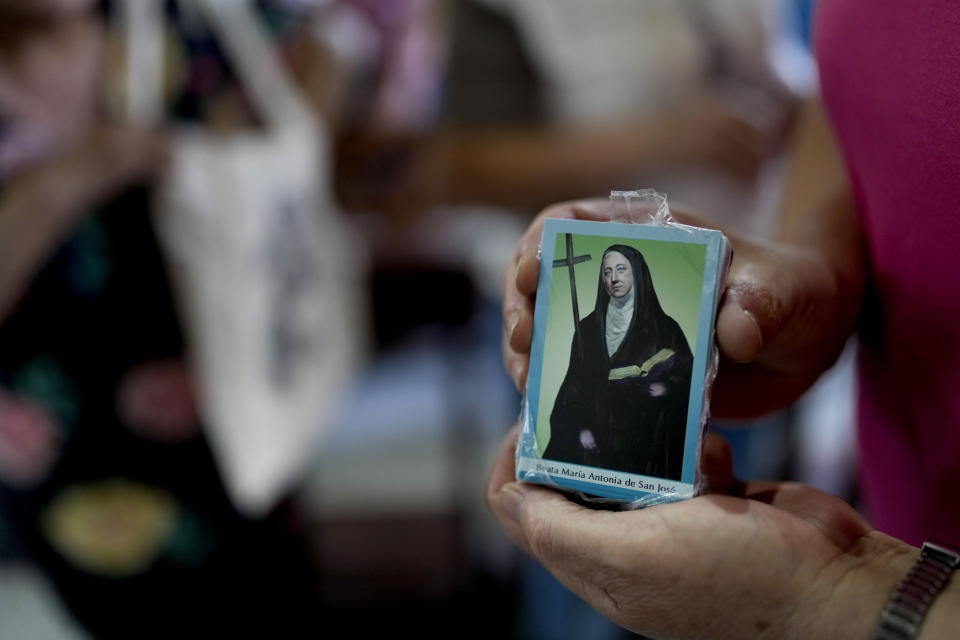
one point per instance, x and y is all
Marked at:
(33, 217)
(818, 213)
(42, 205)
(532, 167)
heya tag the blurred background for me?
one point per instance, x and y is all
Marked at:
(296, 441)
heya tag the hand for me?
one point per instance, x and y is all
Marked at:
(41, 204)
(784, 318)
(710, 133)
(106, 161)
(783, 561)
(111, 159)
(520, 284)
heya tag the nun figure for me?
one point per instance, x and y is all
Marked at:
(623, 403)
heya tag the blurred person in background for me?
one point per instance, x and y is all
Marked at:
(107, 481)
(544, 101)
(791, 561)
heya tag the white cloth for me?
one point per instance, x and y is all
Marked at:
(619, 315)
(266, 272)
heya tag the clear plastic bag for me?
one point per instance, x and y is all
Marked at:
(619, 419)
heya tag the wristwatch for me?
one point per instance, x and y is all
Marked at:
(904, 613)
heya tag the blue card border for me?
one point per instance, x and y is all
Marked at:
(712, 288)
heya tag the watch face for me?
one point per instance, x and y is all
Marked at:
(942, 552)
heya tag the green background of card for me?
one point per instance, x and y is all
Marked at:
(676, 270)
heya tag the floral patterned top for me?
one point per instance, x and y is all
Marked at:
(106, 479)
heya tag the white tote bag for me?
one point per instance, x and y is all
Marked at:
(267, 275)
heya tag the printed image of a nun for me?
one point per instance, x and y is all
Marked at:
(623, 402)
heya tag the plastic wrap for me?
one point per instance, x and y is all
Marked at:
(617, 404)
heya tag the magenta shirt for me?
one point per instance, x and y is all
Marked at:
(890, 74)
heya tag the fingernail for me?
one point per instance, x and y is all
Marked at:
(757, 334)
(511, 500)
(516, 272)
(518, 376)
(587, 208)
(738, 332)
(753, 334)
(512, 325)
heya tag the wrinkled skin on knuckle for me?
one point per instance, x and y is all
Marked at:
(543, 543)
(814, 328)
(794, 297)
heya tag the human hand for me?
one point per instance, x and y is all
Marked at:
(709, 132)
(781, 561)
(783, 320)
(105, 161)
(43, 202)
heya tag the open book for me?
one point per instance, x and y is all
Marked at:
(633, 371)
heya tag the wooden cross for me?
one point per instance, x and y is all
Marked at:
(569, 262)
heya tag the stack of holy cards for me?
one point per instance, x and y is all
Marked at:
(617, 395)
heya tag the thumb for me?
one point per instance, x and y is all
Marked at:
(765, 284)
(780, 310)
(782, 323)
(738, 331)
